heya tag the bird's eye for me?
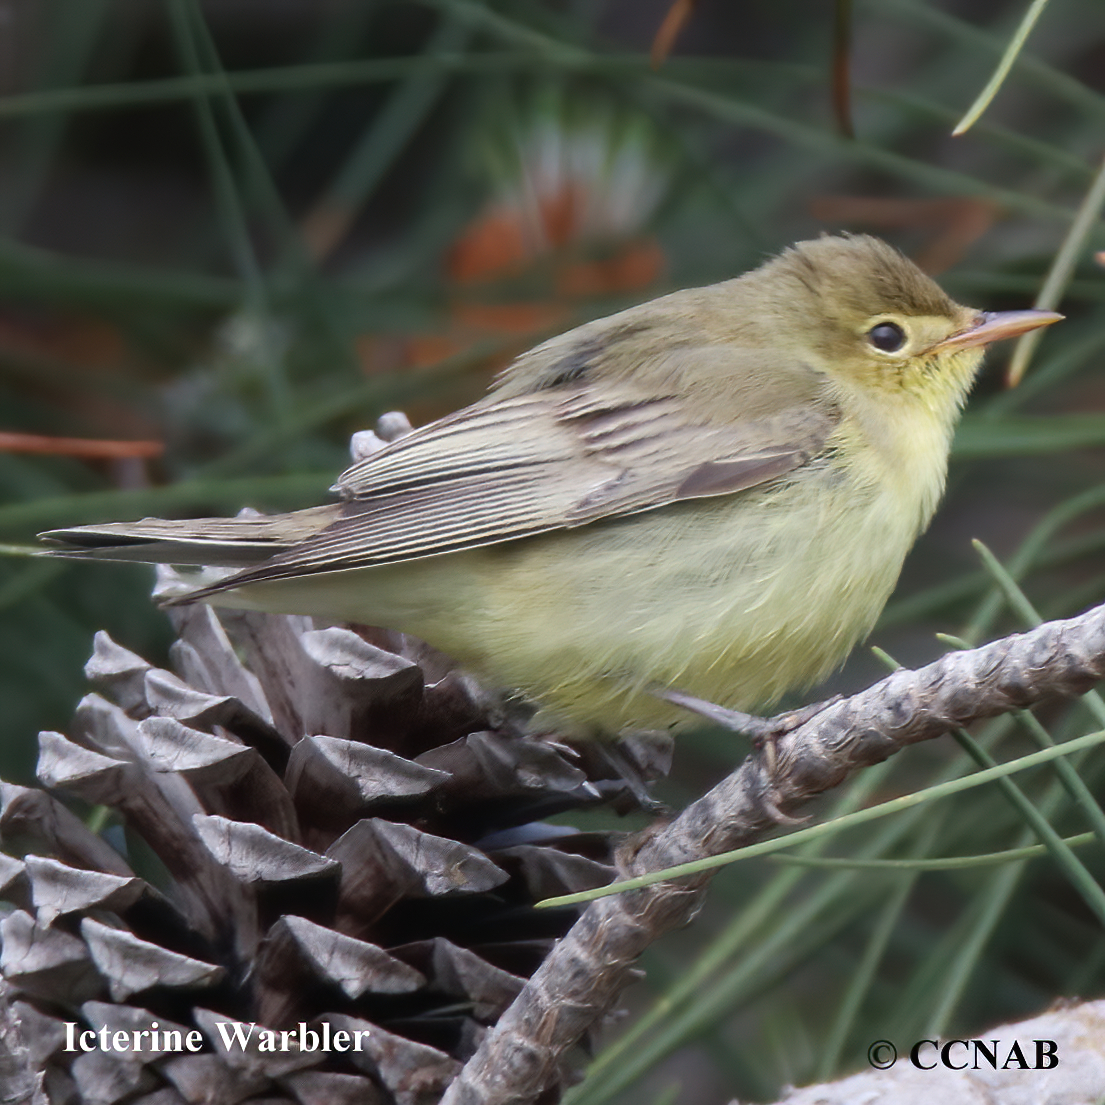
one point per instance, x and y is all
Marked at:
(888, 337)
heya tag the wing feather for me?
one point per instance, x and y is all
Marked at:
(527, 464)
(477, 440)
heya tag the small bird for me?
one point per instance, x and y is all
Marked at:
(713, 491)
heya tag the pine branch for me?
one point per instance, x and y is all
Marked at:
(587, 970)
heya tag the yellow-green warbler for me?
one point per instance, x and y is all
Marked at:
(713, 491)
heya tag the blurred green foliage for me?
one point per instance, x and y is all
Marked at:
(234, 227)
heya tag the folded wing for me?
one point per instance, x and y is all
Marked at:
(561, 445)
(558, 458)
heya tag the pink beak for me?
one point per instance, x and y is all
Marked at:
(996, 326)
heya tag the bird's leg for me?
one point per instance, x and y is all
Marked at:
(761, 730)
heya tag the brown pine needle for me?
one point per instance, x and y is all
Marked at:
(842, 68)
(89, 448)
(677, 17)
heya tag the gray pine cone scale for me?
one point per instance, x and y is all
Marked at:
(310, 829)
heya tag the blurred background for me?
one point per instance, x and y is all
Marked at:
(233, 232)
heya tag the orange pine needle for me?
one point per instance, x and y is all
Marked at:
(88, 448)
(842, 68)
(956, 222)
(635, 266)
(677, 17)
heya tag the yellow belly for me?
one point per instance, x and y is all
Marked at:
(736, 607)
(736, 600)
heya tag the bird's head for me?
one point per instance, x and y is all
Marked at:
(869, 317)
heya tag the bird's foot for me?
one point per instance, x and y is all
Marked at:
(761, 730)
(764, 732)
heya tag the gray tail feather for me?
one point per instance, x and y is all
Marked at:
(217, 542)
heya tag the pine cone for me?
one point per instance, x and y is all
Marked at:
(327, 830)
